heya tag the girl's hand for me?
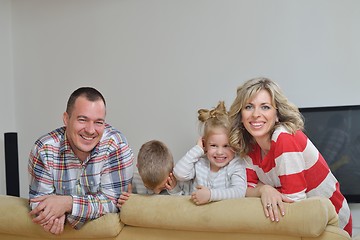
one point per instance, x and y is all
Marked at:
(201, 196)
(200, 142)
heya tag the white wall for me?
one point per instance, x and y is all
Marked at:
(157, 62)
(7, 99)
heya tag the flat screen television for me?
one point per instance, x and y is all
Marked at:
(335, 131)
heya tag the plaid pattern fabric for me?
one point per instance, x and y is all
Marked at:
(94, 184)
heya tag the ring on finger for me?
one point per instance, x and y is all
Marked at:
(269, 205)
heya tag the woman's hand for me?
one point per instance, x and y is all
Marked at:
(273, 202)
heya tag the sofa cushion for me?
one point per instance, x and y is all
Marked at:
(307, 218)
(13, 222)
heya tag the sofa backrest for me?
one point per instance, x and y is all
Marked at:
(307, 218)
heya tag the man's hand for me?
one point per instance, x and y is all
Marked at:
(201, 196)
(50, 208)
(55, 226)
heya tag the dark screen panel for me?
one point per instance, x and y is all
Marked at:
(335, 131)
(11, 164)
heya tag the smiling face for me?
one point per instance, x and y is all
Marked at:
(259, 116)
(85, 125)
(218, 149)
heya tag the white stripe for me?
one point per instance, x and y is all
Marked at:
(277, 132)
(290, 163)
(295, 162)
(270, 178)
(326, 188)
(297, 196)
(311, 154)
(344, 214)
(248, 162)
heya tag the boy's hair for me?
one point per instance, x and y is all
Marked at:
(155, 163)
(213, 119)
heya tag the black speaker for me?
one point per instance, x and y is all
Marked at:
(12, 164)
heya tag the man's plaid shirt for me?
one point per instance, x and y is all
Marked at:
(94, 184)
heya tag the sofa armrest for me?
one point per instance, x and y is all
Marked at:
(15, 220)
(307, 218)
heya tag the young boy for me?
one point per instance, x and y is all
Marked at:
(154, 173)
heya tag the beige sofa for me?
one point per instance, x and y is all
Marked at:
(171, 217)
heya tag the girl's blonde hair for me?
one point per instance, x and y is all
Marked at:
(215, 118)
(288, 114)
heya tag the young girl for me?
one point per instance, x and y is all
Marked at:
(283, 165)
(211, 166)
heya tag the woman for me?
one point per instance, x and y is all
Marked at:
(283, 165)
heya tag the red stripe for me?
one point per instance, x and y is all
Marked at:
(289, 143)
(251, 176)
(292, 183)
(337, 198)
(266, 164)
(316, 174)
(348, 226)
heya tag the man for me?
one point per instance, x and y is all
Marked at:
(77, 172)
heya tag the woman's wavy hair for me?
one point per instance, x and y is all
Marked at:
(215, 118)
(288, 114)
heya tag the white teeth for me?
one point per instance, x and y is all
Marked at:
(87, 138)
(257, 124)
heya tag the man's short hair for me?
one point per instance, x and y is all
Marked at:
(90, 93)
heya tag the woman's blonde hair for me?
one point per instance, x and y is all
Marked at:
(287, 113)
(215, 118)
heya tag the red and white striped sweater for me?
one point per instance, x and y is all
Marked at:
(295, 168)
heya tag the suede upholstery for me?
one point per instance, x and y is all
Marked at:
(176, 217)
